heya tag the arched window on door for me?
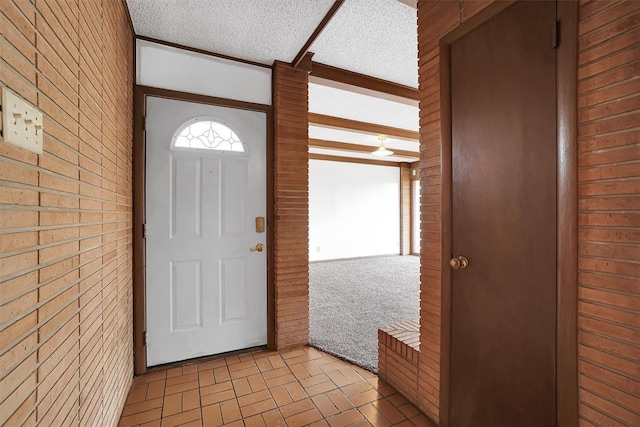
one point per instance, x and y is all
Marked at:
(207, 134)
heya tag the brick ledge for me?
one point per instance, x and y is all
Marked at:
(398, 354)
(401, 337)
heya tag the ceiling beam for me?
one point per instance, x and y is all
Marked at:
(334, 8)
(339, 75)
(364, 127)
(306, 62)
(353, 160)
(357, 148)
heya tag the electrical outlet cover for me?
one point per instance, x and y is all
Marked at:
(21, 122)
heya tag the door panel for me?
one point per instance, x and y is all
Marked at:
(186, 295)
(186, 197)
(233, 289)
(206, 292)
(504, 221)
(234, 188)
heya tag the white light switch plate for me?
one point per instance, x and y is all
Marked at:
(21, 122)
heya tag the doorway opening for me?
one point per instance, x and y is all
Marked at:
(362, 275)
(358, 281)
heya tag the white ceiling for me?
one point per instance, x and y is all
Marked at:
(337, 153)
(351, 137)
(257, 30)
(364, 108)
(372, 37)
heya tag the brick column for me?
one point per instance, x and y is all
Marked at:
(291, 206)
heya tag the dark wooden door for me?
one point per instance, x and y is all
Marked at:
(503, 332)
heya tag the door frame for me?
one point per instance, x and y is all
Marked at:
(139, 209)
(567, 209)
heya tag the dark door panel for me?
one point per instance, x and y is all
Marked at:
(504, 221)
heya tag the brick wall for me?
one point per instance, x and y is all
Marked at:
(65, 216)
(609, 212)
(609, 205)
(291, 205)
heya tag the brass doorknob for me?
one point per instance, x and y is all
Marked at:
(259, 248)
(459, 263)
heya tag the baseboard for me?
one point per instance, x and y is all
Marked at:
(354, 258)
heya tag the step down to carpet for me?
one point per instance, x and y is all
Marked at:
(398, 352)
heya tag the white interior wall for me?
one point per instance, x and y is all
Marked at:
(415, 200)
(177, 69)
(354, 210)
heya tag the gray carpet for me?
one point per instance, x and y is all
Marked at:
(349, 300)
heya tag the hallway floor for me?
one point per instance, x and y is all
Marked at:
(297, 387)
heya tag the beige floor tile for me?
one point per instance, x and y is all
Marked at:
(297, 387)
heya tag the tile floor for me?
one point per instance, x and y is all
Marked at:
(298, 387)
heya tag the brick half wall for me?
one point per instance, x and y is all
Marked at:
(398, 354)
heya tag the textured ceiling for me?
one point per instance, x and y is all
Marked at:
(257, 30)
(373, 37)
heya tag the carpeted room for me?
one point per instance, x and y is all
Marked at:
(358, 281)
(350, 299)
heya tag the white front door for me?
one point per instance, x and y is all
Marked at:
(206, 291)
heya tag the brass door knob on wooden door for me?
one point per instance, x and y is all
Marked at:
(459, 263)
(259, 247)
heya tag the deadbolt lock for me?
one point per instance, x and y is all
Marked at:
(260, 224)
(459, 263)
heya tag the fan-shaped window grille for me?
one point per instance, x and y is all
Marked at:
(207, 134)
